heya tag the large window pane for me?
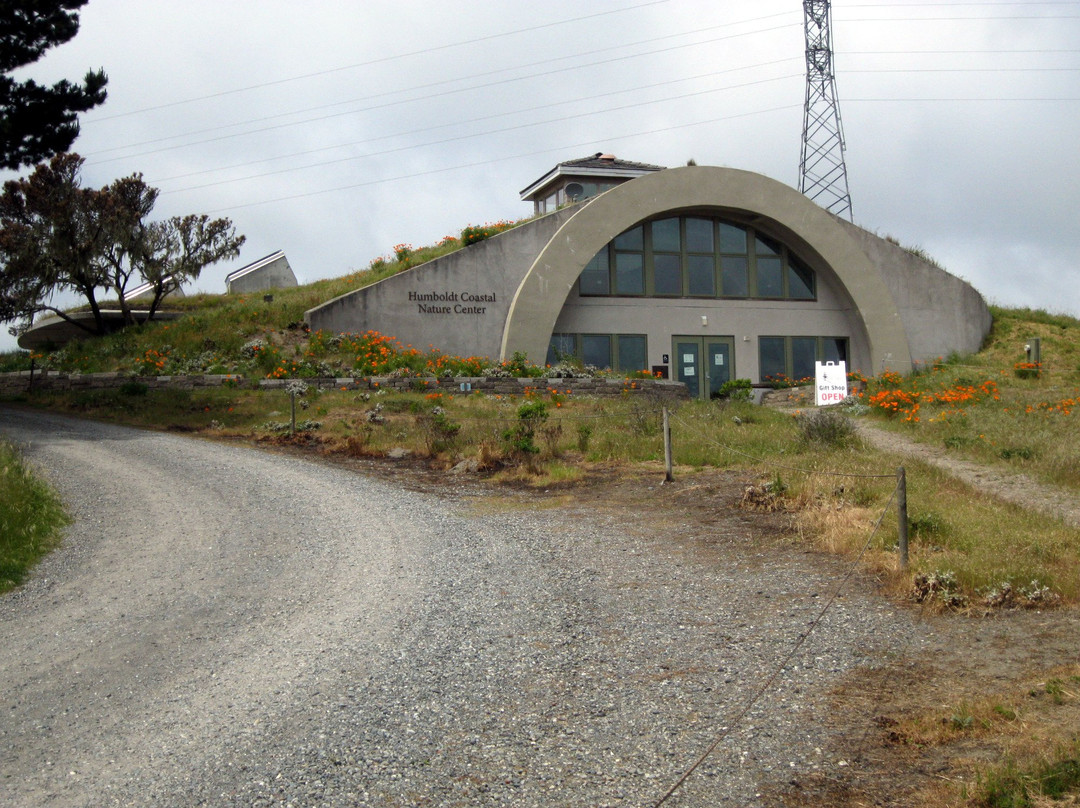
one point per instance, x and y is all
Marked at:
(631, 352)
(629, 274)
(701, 275)
(735, 277)
(595, 278)
(667, 274)
(835, 349)
(766, 246)
(631, 239)
(665, 235)
(803, 357)
(770, 278)
(771, 356)
(561, 347)
(699, 235)
(800, 282)
(732, 239)
(676, 256)
(596, 350)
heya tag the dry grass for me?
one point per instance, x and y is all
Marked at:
(1017, 748)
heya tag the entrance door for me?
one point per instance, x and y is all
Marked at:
(703, 363)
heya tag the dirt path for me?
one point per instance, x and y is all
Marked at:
(1018, 489)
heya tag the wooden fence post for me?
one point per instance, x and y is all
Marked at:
(901, 513)
(668, 476)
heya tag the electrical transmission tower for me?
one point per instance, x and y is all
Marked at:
(822, 173)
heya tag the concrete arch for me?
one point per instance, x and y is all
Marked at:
(811, 231)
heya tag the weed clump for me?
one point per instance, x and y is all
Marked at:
(826, 427)
(940, 586)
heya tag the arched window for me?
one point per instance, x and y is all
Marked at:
(696, 256)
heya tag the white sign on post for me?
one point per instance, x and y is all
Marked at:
(831, 382)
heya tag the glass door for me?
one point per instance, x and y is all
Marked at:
(704, 364)
(688, 364)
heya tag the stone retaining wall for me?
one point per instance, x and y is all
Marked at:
(20, 383)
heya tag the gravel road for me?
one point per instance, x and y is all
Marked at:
(224, 626)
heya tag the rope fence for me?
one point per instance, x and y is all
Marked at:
(758, 694)
(898, 495)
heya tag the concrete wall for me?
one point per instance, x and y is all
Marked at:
(511, 292)
(831, 315)
(458, 303)
(941, 313)
(275, 275)
(768, 205)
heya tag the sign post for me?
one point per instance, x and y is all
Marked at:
(830, 383)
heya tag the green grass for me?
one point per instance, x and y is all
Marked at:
(212, 336)
(1031, 425)
(1017, 424)
(1012, 785)
(31, 518)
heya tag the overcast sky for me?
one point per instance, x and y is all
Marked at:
(335, 130)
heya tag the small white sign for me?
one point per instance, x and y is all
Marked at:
(718, 360)
(689, 372)
(831, 383)
(688, 358)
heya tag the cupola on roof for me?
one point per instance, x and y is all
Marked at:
(574, 180)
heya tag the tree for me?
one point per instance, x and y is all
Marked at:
(52, 236)
(36, 121)
(56, 236)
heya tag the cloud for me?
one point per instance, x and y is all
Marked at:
(334, 131)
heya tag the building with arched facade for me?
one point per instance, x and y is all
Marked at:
(702, 273)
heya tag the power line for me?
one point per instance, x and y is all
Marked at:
(980, 4)
(636, 88)
(994, 100)
(964, 70)
(479, 163)
(443, 93)
(976, 18)
(601, 141)
(583, 99)
(383, 59)
(955, 52)
(503, 130)
(569, 117)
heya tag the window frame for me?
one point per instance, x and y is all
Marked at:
(615, 360)
(794, 277)
(789, 357)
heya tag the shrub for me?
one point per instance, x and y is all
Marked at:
(134, 388)
(584, 432)
(826, 427)
(735, 390)
(439, 432)
(1017, 453)
(925, 525)
(521, 438)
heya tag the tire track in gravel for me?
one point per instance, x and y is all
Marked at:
(228, 627)
(184, 608)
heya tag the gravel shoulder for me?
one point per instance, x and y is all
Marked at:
(224, 626)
